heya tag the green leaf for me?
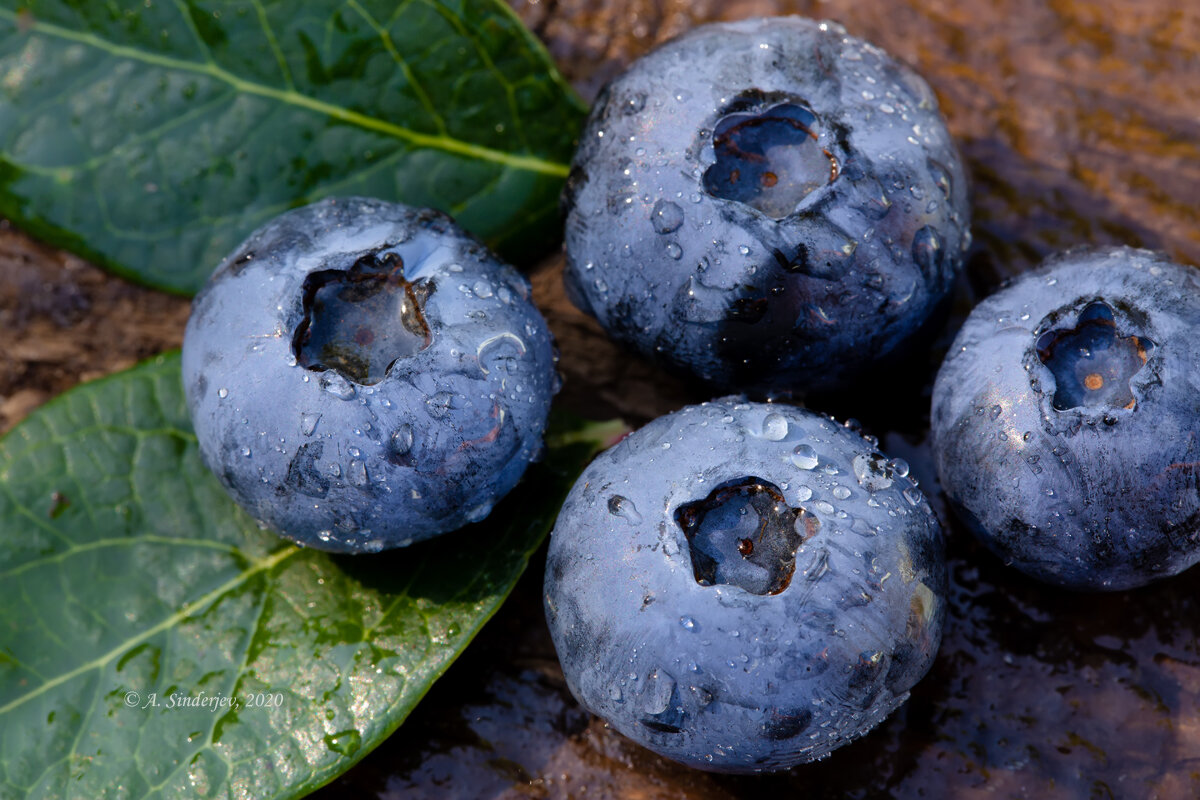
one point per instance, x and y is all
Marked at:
(129, 579)
(152, 137)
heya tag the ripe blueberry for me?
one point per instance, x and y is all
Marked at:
(363, 375)
(1066, 420)
(768, 204)
(743, 587)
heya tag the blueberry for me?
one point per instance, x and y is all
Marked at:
(769, 204)
(1066, 420)
(363, 375)
(743, 587)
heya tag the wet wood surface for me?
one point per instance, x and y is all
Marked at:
(1080, 124)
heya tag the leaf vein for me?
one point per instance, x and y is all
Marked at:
(405, 69)
(273, 42)
(187, 610)
(447, 144)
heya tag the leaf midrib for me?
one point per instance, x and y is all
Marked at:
(259, 566)
(444, 143)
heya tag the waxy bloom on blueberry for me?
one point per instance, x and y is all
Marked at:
(744, 586)
(363, 375)
(1066, 420)
(770, 205)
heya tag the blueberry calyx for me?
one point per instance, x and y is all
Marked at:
(340, 306)
(1092, 362)
(745, 534)
(769, 159)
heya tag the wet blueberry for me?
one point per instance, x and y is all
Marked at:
(363, 375)
(1066, 420)
(743, 587)
(771, 205)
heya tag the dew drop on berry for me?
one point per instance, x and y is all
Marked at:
(308, 423)
(624, 508)
(666, 217)
(804, 457)
(402, 439)
(336, 385)
(774, 427)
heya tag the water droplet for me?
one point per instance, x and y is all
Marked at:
(872, 471)
(775, 428)
(804, 457)
(674, 251)
(941, 178)
(899, 467)
(689, 624)
(804, 494)
(337, 386)
(358, 473)
(824, 507)
(659, 688)
(913, 495)
(402, 439)
(840, 492)
(744, 250)
(344, 743)
(324, 536)
(246, 452)
(623, 507)
(927, 250)
(482, 289)
(666, 216)
(222, 393)
(308, 423)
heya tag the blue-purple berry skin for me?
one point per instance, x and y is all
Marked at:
(363, 375)
(770, 205)
(743, 587)
(1066, 420)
